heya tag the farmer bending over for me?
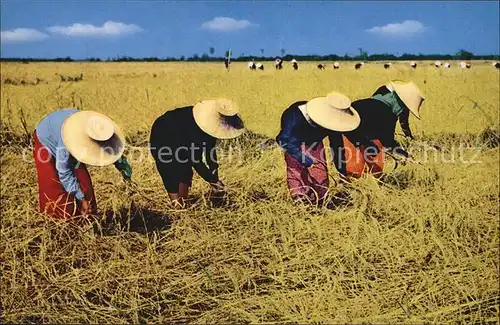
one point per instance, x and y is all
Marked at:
(64, 141)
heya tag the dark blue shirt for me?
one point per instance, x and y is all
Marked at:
(295, 130)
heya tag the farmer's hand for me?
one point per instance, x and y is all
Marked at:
(218, 186)
(218, 190)
(217, 194)
(85, 207)
(124, 167)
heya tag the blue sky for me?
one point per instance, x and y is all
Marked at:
(53, 28)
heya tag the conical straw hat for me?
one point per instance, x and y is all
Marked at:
(333, 112)
(93, 138)
(218, 118)
(411, 96)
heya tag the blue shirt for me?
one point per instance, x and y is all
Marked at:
(49, 133)
(295, 130)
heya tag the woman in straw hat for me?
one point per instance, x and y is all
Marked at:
(379, 114)
(180, 137)
(64, 142)
(404, 117)
(304, 125)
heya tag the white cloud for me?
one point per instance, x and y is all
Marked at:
(109, 28)
(226, 24)
(21, 35)
(407, 28)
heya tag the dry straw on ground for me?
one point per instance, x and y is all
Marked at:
(422, 246)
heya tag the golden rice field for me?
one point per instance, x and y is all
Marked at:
(421, 246)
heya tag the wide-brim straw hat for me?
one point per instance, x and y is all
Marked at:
(411, 96)
(333, 112)
(93, 138)
(218, 118)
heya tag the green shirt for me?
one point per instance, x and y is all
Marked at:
(393, 101)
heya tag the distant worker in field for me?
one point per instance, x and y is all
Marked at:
(181, 137)
(379, 114)
(65, 141)
(304, 125)
(227, 63)
(278, 64)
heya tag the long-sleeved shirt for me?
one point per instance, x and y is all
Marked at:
(403, 118)
(177, 131)
(49, 133)
(377, 122)
(296, 130)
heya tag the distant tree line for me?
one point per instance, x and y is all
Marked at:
(362, 56)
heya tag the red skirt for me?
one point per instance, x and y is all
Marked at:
(359, 160)
(52, 197)
(309, 183)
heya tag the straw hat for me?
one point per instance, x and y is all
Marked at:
(411, 96)
(93, 138)
(219, 118)
(333, 112)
